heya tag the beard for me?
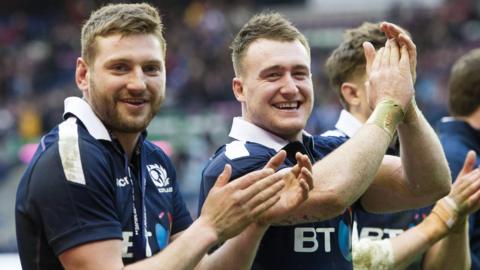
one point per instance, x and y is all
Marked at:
(116, 120)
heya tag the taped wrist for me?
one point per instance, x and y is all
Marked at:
(372, 254)
(387, 115)
(441, 220)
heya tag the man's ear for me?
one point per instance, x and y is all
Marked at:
(82, 76)
(237, 86)
(350, 93)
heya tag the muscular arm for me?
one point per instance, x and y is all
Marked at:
(421, 178)
(344, 175)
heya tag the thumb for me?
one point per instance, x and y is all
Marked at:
(224, 177)
(276, 160)
(404, 56)
(469, 163)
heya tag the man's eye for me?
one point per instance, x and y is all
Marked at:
(120, 68)
(151, 69)
(300, 75)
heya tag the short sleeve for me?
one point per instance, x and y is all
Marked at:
(327, 144)
(73, 213)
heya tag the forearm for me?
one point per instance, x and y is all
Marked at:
(238, 252)
(400, 251)
(185, 252)
(423, 159)
(452, 252)
(344, 175)
(408, 246)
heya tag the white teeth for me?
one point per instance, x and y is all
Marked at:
(135, 101)
(287, 105)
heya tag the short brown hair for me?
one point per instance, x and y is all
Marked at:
(124, 19)
(268, 25)
(464, 85)
(348, 59)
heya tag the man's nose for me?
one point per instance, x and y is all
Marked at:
(290, 87)
(137, 80)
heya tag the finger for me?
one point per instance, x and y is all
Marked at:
(298, 157)
(267, 184)
(404, 57)
(260, 209)
(385, 61)
(469, 163)
(263, 195)
(307, 163)
(224, 177)
(305, 188)
(276, 160)
(250, 178)
(303, 161)
(392, 30)
(395, 52)
(404, 39)
(378, 59)
(384, 27)
(369, 52)
(295, 171)
(472, 184)
(307, 176)
(462, 182)
(473, 203)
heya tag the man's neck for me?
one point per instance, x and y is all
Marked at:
(128, 142)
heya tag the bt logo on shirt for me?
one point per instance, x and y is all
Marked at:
(308, 239)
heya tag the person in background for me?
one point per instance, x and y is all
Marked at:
(345, 69)
(460, 133)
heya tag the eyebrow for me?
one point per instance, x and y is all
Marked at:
(279, 67)
(127, 60)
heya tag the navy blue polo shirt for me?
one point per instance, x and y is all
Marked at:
(377, 226)
(80, 187)
(457, 138)
(313, 245)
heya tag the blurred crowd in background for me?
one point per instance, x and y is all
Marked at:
(40, 41)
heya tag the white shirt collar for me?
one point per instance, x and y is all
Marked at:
(243, 130)
(447, 119)
(82, 110)
(348, 124)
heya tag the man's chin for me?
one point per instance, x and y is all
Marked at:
(289, 132)
(131, 126)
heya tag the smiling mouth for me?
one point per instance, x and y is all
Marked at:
(134, 101)
(287, 105)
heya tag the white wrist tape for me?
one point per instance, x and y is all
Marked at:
(372, 254)
(453, 205)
